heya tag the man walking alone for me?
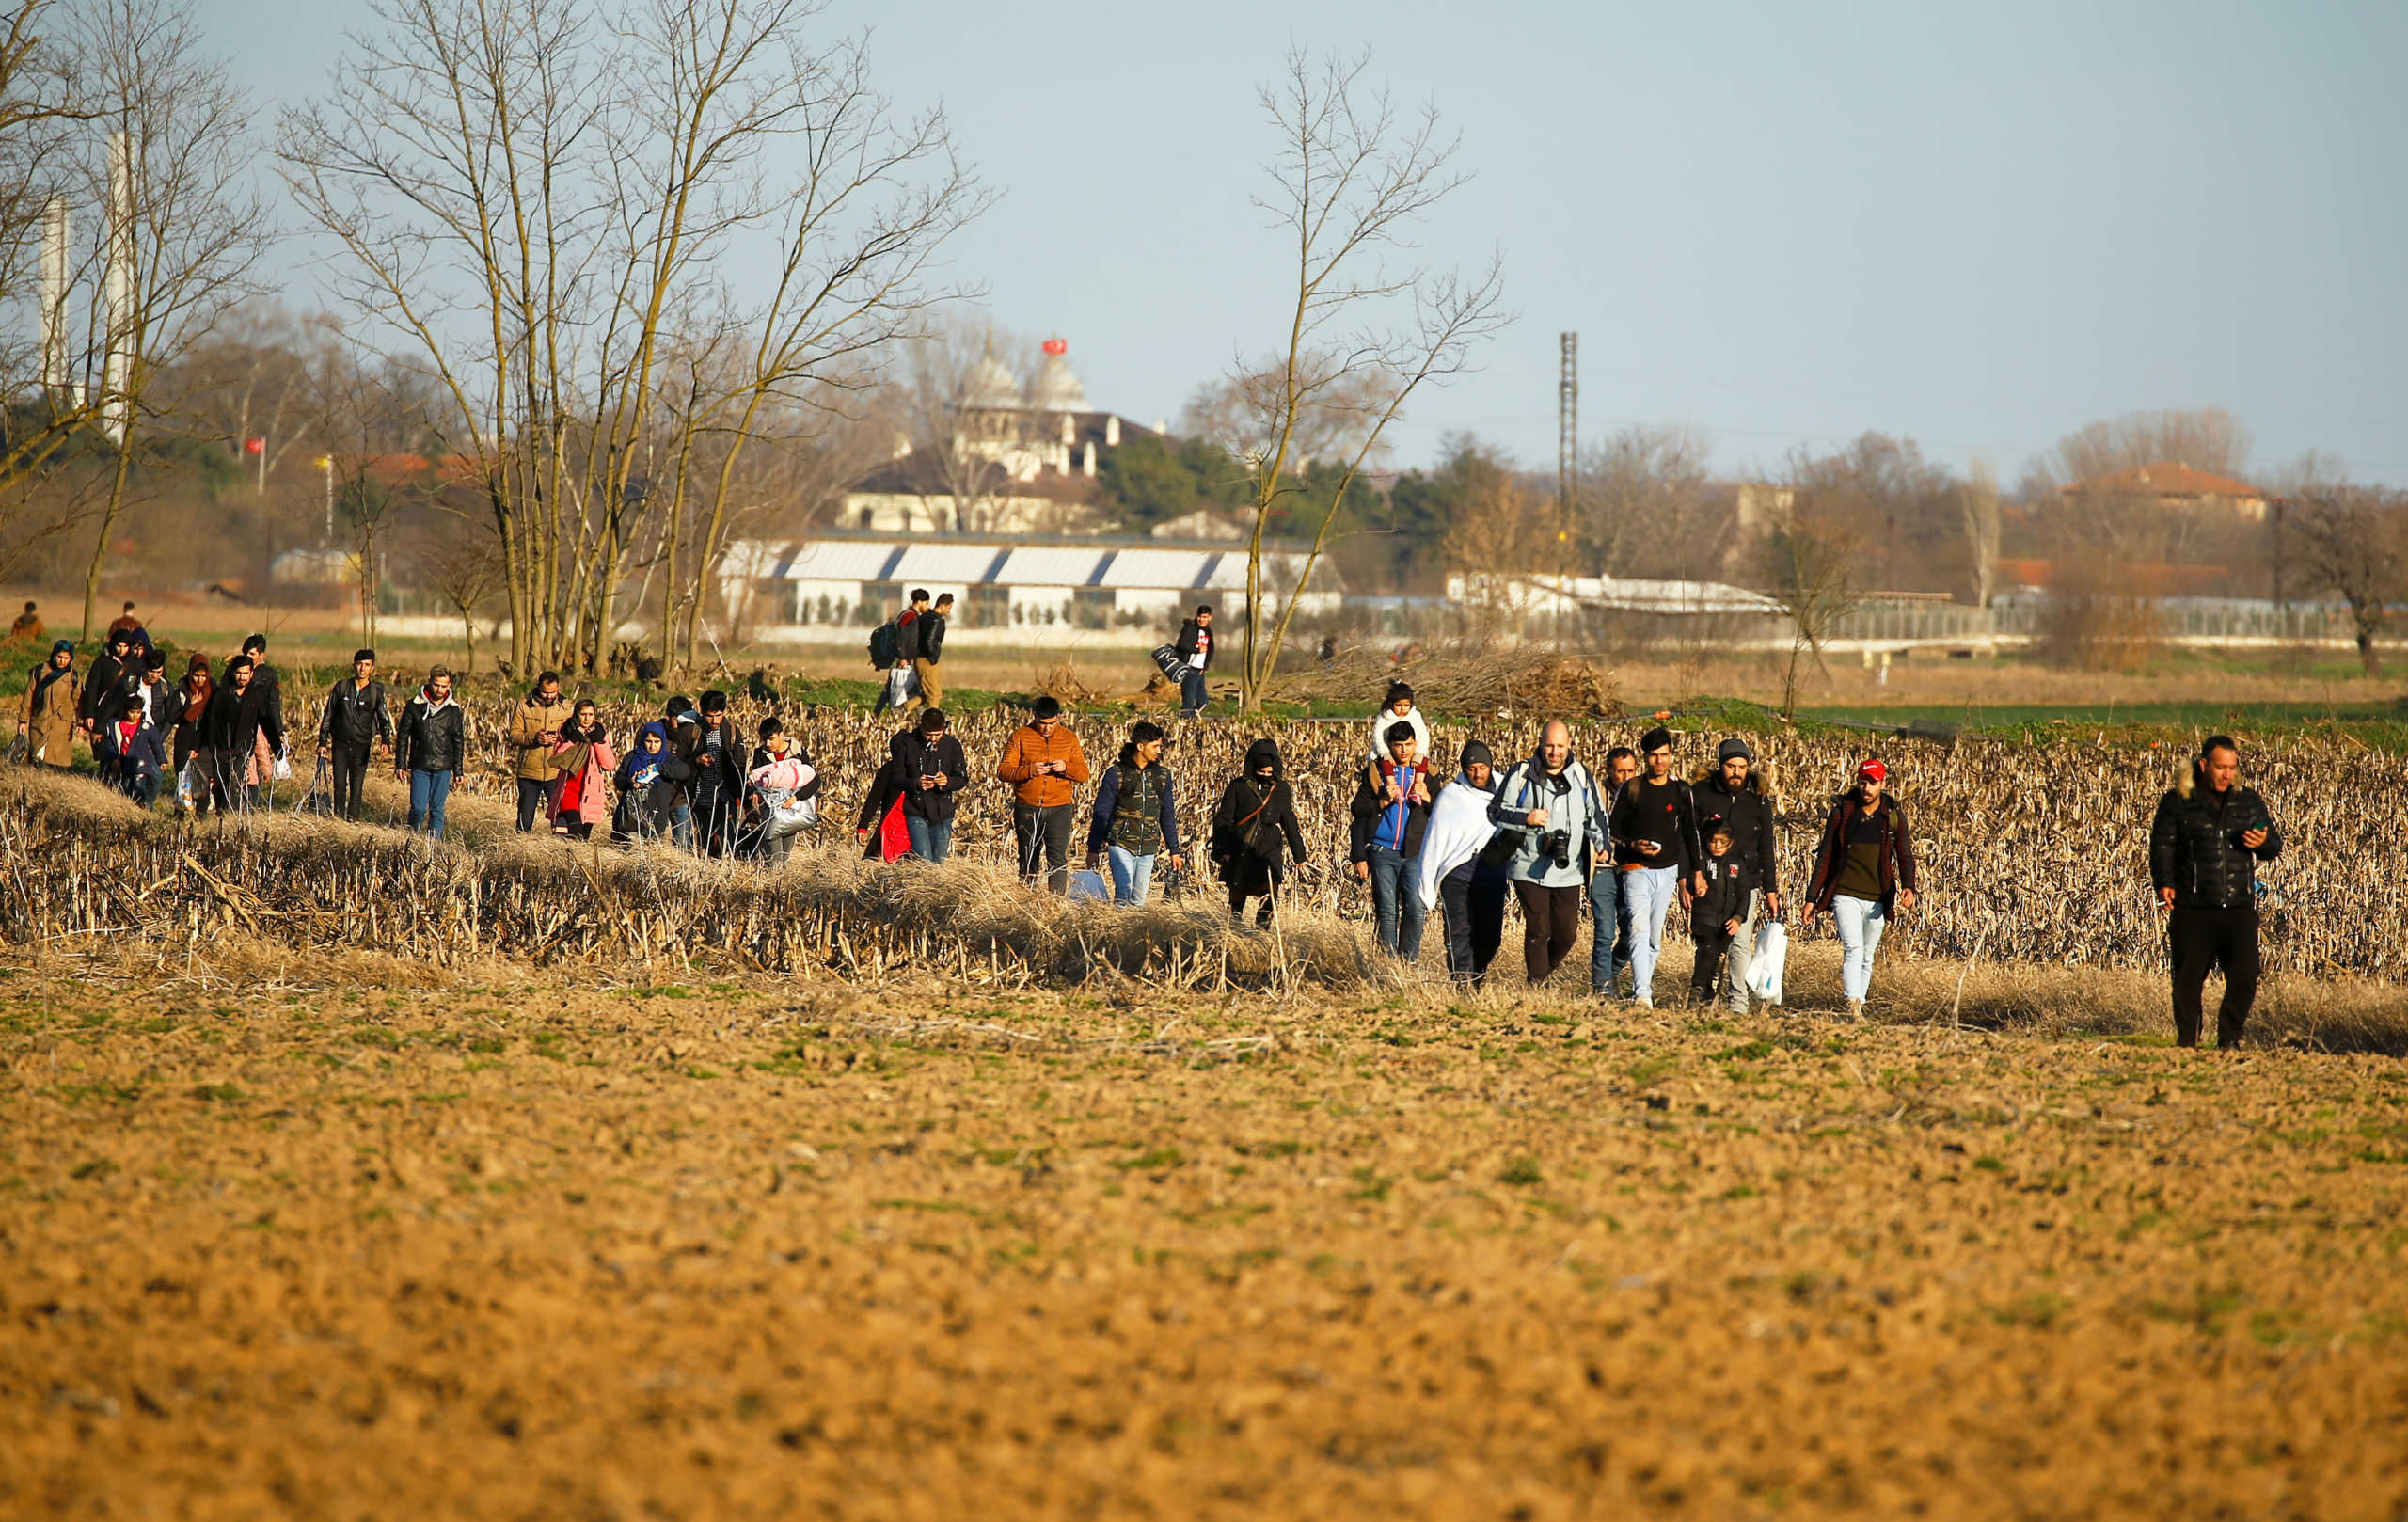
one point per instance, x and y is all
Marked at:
(2204, 848)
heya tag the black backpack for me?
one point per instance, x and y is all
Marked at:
(885, 645)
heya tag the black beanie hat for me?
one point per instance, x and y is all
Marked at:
(1476, 752)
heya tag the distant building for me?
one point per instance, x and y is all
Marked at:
(2167, 484)
(1006, 582)
(1027, 460)
(1203, 524)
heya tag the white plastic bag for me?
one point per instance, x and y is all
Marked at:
(192, 784)
(1772, 956)
(788, 815)
(284, 770)
(902, 686)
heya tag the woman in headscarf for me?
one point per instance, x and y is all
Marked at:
(54, 700)
(187, 706)
(651, 783)
(1254, 830)
(582, 763)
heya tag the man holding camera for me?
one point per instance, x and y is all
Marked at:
(2204, 848)
(1550, 801)
(1657, 853)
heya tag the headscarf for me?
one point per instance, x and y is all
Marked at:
(52, 671)
(1261, 752)
(643, 767)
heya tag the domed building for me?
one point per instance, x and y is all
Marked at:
(1017, 461)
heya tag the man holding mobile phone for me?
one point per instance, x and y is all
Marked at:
(2204, 848)
(1045, 764)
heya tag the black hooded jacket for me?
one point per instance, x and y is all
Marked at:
(1256, 818)
(235, 722)
(1748, 815)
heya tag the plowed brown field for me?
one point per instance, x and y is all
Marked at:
(561, 1251)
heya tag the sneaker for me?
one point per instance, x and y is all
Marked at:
(1856, 1009)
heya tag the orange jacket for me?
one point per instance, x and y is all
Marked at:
(1028, 748)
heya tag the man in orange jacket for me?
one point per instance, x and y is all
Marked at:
(1044, 764)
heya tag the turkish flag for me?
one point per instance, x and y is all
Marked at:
(255, 446)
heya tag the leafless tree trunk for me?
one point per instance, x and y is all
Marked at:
(2353, 543)
(1809, 566)
(1350, 181)
(1978, 500)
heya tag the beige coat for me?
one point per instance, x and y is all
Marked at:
(50, 732)
(529, 723)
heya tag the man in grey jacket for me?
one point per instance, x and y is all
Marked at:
(1551, 801)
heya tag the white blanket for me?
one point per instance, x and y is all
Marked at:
(1458, 827)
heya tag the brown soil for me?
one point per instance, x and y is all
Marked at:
(544, 1248)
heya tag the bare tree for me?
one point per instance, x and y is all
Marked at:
(1352, 179)
(465, 573)
(183, 226)
(531, 194)
(2352, 543)
(1809, 565)
(1644, 507)
(2208, 439)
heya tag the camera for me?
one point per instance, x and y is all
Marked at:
(1556, 844)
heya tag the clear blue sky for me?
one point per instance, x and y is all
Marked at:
(1785, 223)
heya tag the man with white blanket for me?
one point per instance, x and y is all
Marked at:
(1449, 867)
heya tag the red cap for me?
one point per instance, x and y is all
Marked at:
(1873, 769)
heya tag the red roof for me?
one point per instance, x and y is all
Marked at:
(2164, 479)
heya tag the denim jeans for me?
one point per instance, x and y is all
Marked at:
(1132, 876)
(1192, 695)
(428, 792)
(932, 842)
(1605, 925)
(681, 827)
(1858, 922)
(1395, 901)
(1653, 891)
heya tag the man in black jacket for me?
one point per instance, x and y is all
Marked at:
(2204, 848)
(925, 767)
(270, 684)
(717, 757)
(238, 717)
(1732, 796)
(1194, 647)
(101, 682)
(354, 722)
(431, 744)
(930, 627)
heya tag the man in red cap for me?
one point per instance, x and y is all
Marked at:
(1864, 872)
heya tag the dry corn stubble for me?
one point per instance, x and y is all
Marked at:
(2030, 854)
(550, 1250)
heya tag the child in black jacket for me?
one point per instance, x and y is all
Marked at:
(1716, 915)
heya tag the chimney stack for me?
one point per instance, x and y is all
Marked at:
(117, 364)
(55, 232)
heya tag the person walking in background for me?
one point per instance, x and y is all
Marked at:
(1195, 650)
(1044, 763)
(1390, 813)
(1715, 914)
(718, 779)
(187, 704)
(1733, 795)
(52, 709)
(1398, 708)
(270, 684)
(2204, 846)
(786, 787)
(925, 770)
(890, 649)
(430, 746)
(1550, 801)
(125, 624)
(903, 682)
(1656, 852)
(354, 722)
(533, 733)
(1452, 868)
(582, 766)
(683, 726)
(1256, 820)
(102, 681)
(1864, 872)
(1136, 815)
(28, 625)
(931, 625)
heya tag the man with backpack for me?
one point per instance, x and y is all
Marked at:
(1194, 648)
(930, 626)
(1656, 852)
(894, 648)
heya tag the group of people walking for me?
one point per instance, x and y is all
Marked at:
(1630, 844)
